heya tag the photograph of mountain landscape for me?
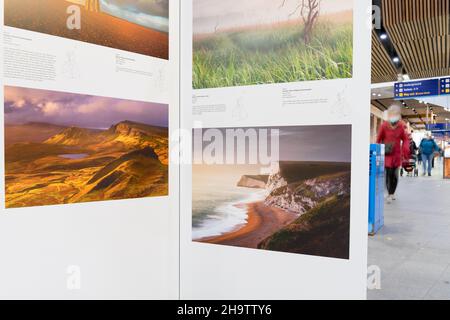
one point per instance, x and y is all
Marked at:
(136, 26)
(271, 41)
(65, 148)
(300, 204)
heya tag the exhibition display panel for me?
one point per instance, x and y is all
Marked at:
(90, 206)
(169, 149)
(279, 131)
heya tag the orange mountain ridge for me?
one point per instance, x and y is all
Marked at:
(72, 164)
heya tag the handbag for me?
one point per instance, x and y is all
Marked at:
(388, 148)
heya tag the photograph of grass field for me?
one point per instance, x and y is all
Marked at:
(300, 204)
(135, 26)
(271, 41)
(63, 148)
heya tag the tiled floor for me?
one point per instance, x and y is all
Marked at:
(413, 248)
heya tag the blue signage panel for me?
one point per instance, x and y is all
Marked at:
(416, 89)
(445, 86)
(438, 126)
(441, 134)
(439, 130)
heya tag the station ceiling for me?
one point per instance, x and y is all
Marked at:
(414, 111)
(418, 33)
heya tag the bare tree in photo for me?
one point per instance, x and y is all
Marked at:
(309, 11)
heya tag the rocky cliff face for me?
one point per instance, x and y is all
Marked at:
(302, 196)
(132, 135)
(319, 193)
(255, 182)
(298, 196)
(275, 181)
(73, 136)
(127, 128)
(323, 207)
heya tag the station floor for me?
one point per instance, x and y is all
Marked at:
(413, 248)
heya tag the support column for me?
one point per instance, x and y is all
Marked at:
(374, 129)
(92, 5)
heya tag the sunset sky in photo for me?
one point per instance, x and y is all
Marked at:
(152, 14)
(24, 105)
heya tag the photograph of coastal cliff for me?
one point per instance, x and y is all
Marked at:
(299, 204)
(271, 41)
(65, 148)
(136, 26)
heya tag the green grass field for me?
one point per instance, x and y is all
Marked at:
(272, 55)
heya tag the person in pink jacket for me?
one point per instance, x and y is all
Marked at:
(395, 138)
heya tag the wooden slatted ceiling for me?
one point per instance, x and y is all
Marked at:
(408, 113)
(420, 32)
(382, 68)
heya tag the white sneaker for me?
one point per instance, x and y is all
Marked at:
(393, 197)
(389, 199)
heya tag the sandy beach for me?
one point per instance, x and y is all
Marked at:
(262, 222)
(50, 17)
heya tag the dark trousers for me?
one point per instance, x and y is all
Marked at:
(392, 180)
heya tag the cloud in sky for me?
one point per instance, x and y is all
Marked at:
(152, 14)
(316, 143)
(212, 14)
(24, 105)
(327, 143)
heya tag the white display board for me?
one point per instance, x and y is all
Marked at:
(96, 205)
(242, 237)
(105, 80)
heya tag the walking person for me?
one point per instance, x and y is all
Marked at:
(413, 156)
(428, 147)
(412, 146)
(412, 161)
(394, 136)
(419, 157)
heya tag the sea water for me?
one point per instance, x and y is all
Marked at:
(219, 205)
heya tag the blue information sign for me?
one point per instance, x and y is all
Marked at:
(445, 86)
(416, 89)
(438, 126)
(442, 135)
(439, 130)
